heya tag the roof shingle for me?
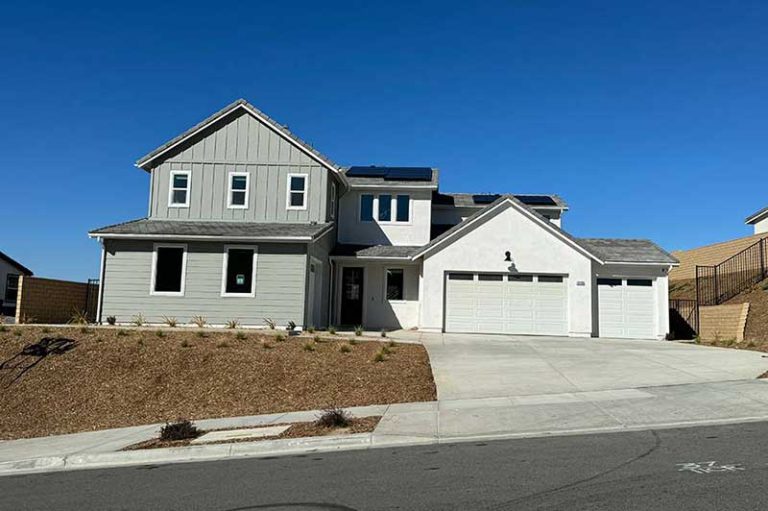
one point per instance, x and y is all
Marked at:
(184, 228)
(627, 250)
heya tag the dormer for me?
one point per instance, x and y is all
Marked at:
(387, 206)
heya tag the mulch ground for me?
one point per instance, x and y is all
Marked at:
(115, 377)
(297, 430)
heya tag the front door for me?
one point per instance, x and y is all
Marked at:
(352, 296)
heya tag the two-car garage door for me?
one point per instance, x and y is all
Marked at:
(506, 304)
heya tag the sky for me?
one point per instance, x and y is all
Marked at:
(648, 118)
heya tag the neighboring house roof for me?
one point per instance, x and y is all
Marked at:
(473, 221)
(379, 177)
(144, 161)
(757, 216)
(474, 200)
(375, 251)
(612, 250)
(23, 269)
(146, 228)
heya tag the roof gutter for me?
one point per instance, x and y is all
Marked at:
(100, 236)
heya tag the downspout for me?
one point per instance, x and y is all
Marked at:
(102, 270)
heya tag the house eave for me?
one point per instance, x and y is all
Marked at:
(263, 239)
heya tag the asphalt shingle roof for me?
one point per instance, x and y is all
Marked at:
(23, 269)
(626, 250)
(182, 228)
(375, 251)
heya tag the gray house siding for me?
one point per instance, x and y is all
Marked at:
(240, 143)
(320, 251)
(280, 285)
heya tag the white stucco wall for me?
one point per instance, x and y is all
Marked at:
(660, 278)
(761, 226)
(415, 232)
(534, 250)
(378, 312)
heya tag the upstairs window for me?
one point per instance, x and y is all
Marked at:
(178, 194)
(239, 265)
(297, 191)
(366, 207)
(238, 190)
(395, 284)
(403, 211)
(168, 269)
(11, 288)
(385, 208)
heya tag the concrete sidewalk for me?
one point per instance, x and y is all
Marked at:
(450, 420)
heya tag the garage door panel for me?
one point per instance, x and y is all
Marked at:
(626, 308)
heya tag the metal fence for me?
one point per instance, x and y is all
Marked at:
(92, 299)
(719, 283)
(683, 318)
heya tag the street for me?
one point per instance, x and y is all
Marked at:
(706, 468)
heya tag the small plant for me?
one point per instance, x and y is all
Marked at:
(202, 334)
(383, 333)
(353, 341)
(332, 330)
(182, 429)
(291, 328)
(185, 344)
(111, 320)
(122, 333)
(223, 344)
(279, 337)
(46, 330)
(317, 338)
(345, 348)
(198, 321)
(85, 330)
(138, 319)
(233, 323)
(391, 344)
(140, 342)
(380, 356)
(240, 335)
(170, 321)
(359, 330)
(78, 317)
(311, 329)
(385, 350)
(334, 417)
(271, 323)
(266, 345)
(160, 333)
(17, 332)
(3, 328)
(309, 346)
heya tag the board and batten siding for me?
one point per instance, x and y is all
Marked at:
(280, 285)
(240, 143)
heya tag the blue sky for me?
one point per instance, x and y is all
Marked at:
(649, 119)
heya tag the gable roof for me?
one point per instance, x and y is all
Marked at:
(472, 221)
(241, 104)
(23, 269)
(184, 229)
(757, 216)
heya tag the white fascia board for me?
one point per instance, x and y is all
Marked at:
(639, 263)
(384, 186)
(303, 239)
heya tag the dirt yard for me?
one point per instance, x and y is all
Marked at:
(112, 377)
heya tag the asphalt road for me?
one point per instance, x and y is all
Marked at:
(710, 468)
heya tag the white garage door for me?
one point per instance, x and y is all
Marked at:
(506, 304)
(627, 308)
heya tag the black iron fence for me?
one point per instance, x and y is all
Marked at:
(92, 299)
(719, 283)
(683, 319)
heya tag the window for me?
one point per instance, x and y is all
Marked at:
(395, 284)
(366, 208)
(608, 282)
(490, 278)
(11, 288)
(169, 264)
(402, 214)
(333, 201)
(520, 278)
(178, 193)
(238, 190)
(239, 276)
(550, 278)
(461, 276)
(297, 191)
(385, 208)
(640, 282)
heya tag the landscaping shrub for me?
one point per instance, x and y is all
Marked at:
(353, 341)
(223, 344)
(279, 337)
(379, 357)
(311, 329)
(334, 417)
(111, 320)
(170, 321)
(45, 330)
(359, 330)
(309, 346)
(85, 330)
(266, 345)
(185, 344)
(332, 330)
(198, 321)
(160, 334)
(138, 319)
(182, 429)
(202, 334)
(345, 348)
(122, 333)
(271, 323)
(3, 328)
(78, 318)
(240, 335)
(233, 323)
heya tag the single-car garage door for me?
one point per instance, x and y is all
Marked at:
(506, 304)
(627, 308)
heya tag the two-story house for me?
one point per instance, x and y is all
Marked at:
(247, 222)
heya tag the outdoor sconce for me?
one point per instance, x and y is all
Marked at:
(507, 256)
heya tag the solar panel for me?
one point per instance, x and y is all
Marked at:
(536, 200)
(409, 174)
(367, 171)
(484, 199)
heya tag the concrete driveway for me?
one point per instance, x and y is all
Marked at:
(472, 366)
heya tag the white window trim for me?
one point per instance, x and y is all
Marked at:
(393, 209)
(224, 267)
(171, 189)
(360, 208)
(154, 269)
(386, 278)
(288, 192)
(247, 176)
